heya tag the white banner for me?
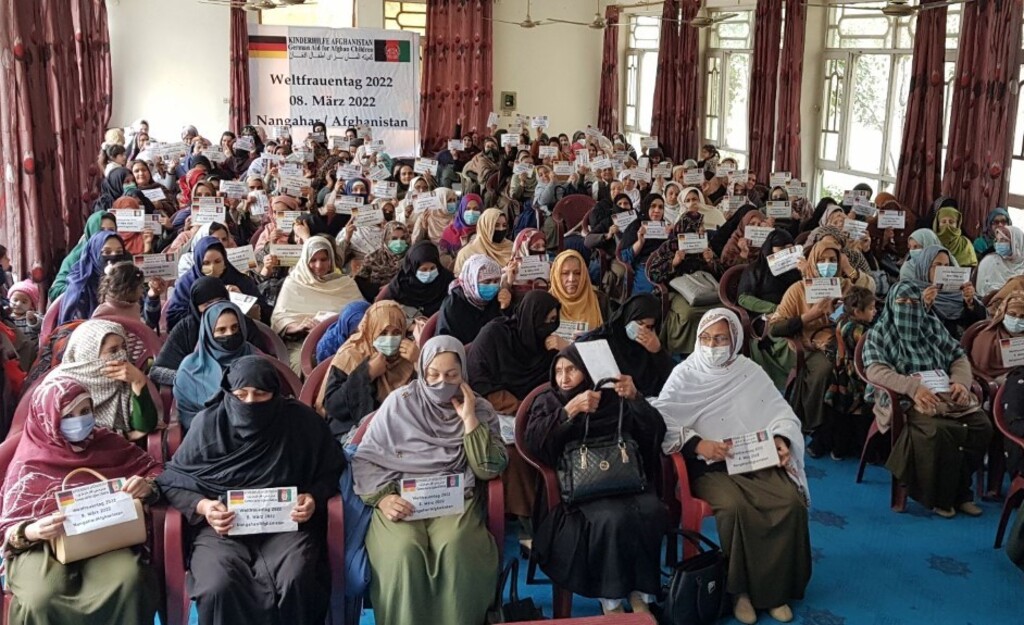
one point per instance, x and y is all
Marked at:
(342, 77)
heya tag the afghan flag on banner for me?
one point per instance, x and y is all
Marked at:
(391, 51)
(265, 47)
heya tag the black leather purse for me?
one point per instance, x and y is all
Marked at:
(606, 468)
(696, 594)
(516, 610)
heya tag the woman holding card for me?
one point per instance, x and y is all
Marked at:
(958, 309)
(445, 567)
(81, 297)
(96, 222)
(738, 249)
(209, 258)
(636, 246)
(431, 224)
(421, 283)
(61, 435)
(571, 286)
(718, 394)
(529, 244)
(607, 548)
(251, 437)
(946, 434)
(383, 263)
(1006, 323)
(1007, 261)
(458, 233)
(491, 240)
(474, 298)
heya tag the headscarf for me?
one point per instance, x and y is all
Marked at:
(359, 348)
(713, 218)
(483, 242)
(381, 265)
(82, 295)
(948, 304)
(794, 302)
(509, 353)
(632, 233)
(819, 213)
(907, 338)
(984, 244)
(179, 303)
(280, 236)
(186, 183)
(92, 226)
(855, 256)
(986, 351)
(111, 188)
(1013, 284)
(830, 209)
(303, 295)
(44, 457)
(994, 271)
(201, 371)
(731, 254)
(583, 305)
(758, 279)
(236, 445)
(111, 399)
(344, 327)
(953, 239)
(476, 269)
(437, 220)
(412, 435)
(406, 289)
(459, 228)
(600, 220)
(717, 402)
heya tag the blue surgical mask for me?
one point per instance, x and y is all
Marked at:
(77, 429)
(398, 246)
(916, 253)
(387, 345)
(426, 277)
(471, 217)
(488, 291)
(633, 330)
(1003, 248)
(827, 270)
(452, 207)
(1013, 325)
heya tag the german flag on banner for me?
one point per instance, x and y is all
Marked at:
(65, 498)
(236, 498)
(265, 47)
(391, 51)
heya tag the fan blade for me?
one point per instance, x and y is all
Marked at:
(552, 19)
(939, 5)
(723, 17)
(502, 21)
(641, 5)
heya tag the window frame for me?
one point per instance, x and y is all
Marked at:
(722, 56)
(634, 59)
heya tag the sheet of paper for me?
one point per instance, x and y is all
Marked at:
(242, 258)
(287, 254)
(385, 189)
(656, 229)
(1012, 351)
(547, 151)
(796, 190)
(570, 330)
(348, 172)
(374, 235)
(158, 265)
(601, 163)
(426, 201)
(533, 268)
(245, 144)
(739, 175)
(864, 207)
(640, 175)
(368, 216)
(724, 171)
(456, 145)
(693, 177)
(153, 223)
(204, 216)
(751, 452)
(757, 234)
(509, 138)
(897, 220)
(492, 119)
(817, 289)
(375, 146)
(280, 132)
(662, 170)
(262, 203)
(378, 172)
(364, 131)
(599, 360)
(286, 223)
(936, 381)
(777, 209)
(95, 506)
(522, 168)
(155, 195)
(779, 178)
(425, 166)
(649, 143)
(736, 201)
(129, 219)
(563, 168)
(215, 154)
(582, 158)
(949, 278)
(345, 204)
(434, 496)
(263, 510)
(850, 196)
(623, 219)
(855, 228)
(692, 242)
(508, 428)
(233, 189)
(540, 121)
(243, 301)
(785, 260)
(339, 143)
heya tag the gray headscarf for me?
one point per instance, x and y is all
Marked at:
(949, 305)
(412, 435)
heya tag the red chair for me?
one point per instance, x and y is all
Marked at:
(49, 320)
(383, 294)
(1016, 494)
(690, 510)
(308, 357)
(989, 387)
(280, 350)
(629, 274)
(291, 385)
(315, 379)
(728, 293)
(568, 213)
(429, 329)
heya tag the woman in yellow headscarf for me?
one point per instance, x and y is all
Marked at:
(570, 284)
(947, 227)
(491, 240)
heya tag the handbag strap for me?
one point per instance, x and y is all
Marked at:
(586, 418)
(511, 570)
(697, 539)
(96, 474)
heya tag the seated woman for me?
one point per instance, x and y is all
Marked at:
(381, 265)
(445, 567)
(1006, 323)
(313, 286)
(345, 326)
(607, 548)
(833, 216)
(372, 363)
(670, 262)
(957, 310)
(458, 233)
(123, 291)
(210, 259)
(738, 250)
(632, 334)
(422, 282)
(473, 300)
(81, 297)
(223, 339)
(97, 357)
(985, 244)
(213, 229)
(635, 247)
(491, 240)
(602, 234)
(431, 224)
(693, 201)
(947, 227)
(713, 396)
(760, 292)
(96, 222)
(1008, 260)
(918, 240)
(61, 435)
(355, 244)
(529, 242)
(946, 434)
(582, 304)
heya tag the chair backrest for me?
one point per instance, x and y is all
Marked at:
(7, 449)
(308, 357)
(50, 320)
(383, 294)
(272, 338)
(21, 411)
(728, 293)
(429, 329)
(522, 419)
(999, 416)
(291, 385)
(314, 380)
(362, 427)
(802, 238)
(571, 210)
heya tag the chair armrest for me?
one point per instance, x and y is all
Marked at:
(155, 444)
(174, 568)
(174, 435)
(692, 508)
(496, 511)
(336, 556)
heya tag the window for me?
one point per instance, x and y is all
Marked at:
(727, 85)
(325, 13)
(1016, 195)
(406, 15)
(641, 75)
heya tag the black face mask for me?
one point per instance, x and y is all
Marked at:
(230, 342)
(499, 236)
(389, 216)
(248, 420)
(493, 155)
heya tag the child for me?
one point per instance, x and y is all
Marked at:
(24, 298)
(846, 394)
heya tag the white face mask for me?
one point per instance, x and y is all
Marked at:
(716, 356)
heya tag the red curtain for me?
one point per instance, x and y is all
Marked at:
(919, 173)
(608, 102)
(676, 113)
(764, 76)
(984, 106)
(240, 104)
(457, 72)
(791, 73)
(54, 104)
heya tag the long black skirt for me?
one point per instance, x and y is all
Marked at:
(606, 548)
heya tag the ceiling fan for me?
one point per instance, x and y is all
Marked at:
(598, 23)
(894, 8)
(703, 19)
(529, 22)
(258, 5)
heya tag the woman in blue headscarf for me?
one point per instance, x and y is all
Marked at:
(223, 339)
(82, 294)
(209, 259)
(918, 240)
(997, 218)
(344, 327)
(955, 309)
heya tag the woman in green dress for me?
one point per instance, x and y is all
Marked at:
(442, 569)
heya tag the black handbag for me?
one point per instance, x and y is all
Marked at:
(590, 471)
(696, 594)
(516, 610)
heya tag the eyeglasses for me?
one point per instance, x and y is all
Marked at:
(718, 340)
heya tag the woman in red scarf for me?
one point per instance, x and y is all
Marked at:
(59, 436)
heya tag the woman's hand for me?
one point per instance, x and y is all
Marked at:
(783, 449)
(301, 231)
(614, 230)
(969, 293)
(304, 508)
(625, 387)
(504, 298)
(45, 528)
(409, 350)
(961, 396)
(925, 400)
(649, 340)
(678, 258)
(125, 371)
(583, 403)
(270, 263)
(157, 287)
(217, 515)
(555, 343)
(466, 408)
(715, 451)
(378, 365)
(394, 507)
(929, 295)
(147, 240)
(137, 487)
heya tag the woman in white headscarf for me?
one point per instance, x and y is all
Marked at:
(712, 398)
(995, 270)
